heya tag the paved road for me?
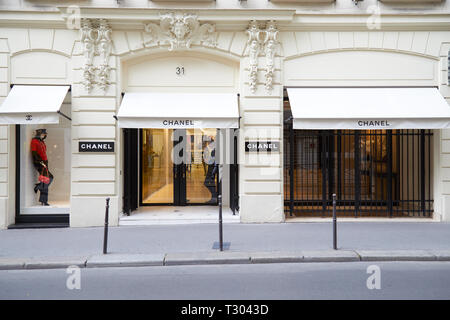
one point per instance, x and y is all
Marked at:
(399, 280)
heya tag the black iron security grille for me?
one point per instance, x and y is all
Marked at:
(374, 173)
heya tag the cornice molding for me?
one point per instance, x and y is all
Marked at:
(27, 18)
(234, 19)
(221, 15)
(406, 21)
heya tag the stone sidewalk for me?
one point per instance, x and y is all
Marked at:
(209, 258)
(249, 243)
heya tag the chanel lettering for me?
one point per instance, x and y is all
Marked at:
(185, 122)
(84, 146)
(251, 146)
(373, 123)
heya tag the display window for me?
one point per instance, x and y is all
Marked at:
(45, 164)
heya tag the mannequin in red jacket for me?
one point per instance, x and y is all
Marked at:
(40, 161)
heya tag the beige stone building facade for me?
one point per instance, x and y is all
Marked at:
(259, 52)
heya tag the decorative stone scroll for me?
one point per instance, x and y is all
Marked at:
(254, 45)
(268, 45)
(180, 30)
(104, 50)
(96, 41)
(88, 40)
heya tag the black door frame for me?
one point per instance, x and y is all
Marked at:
(130, 170)
(32, 218)
(234, 175)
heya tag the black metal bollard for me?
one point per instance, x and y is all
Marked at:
(220, 223)
(105, 235)
(334, 223)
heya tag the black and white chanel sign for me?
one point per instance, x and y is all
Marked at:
(373, 123)
(178, 122)
(262, 146)
(95, 146)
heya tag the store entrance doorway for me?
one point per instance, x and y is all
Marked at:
(178, 167)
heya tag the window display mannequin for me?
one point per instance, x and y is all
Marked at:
(40, 162)
(210, 177)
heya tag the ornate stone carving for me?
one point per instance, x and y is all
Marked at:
(254, 45)
(88, 40)
(180, 31)
(96, 41)
(104, 50)
(270, 46)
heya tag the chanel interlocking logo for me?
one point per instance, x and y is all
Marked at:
(28, 117)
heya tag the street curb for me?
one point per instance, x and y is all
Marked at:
(125, 260)
(305, 256)
(397, 255)
(55, 263)
(199, 258)
(331, 256)
(223, 258)
(441, 255)
(11, 263)
(276, 257)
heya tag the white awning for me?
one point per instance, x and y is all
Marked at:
(368, 108)
(178, 110)
(33, 104)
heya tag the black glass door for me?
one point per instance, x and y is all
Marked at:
(177, 167)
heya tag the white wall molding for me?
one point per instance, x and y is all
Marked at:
(292, 57)
(17, 53)
(421, 43)
(203, 72)
(132, 44)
